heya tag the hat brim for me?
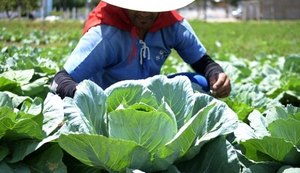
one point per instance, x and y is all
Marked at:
(150, 5)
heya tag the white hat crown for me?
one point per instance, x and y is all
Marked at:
(150, 5)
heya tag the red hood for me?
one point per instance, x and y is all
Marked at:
(117, 17)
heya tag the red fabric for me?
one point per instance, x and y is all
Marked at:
(117, 17)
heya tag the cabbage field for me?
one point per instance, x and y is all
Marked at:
(156, 124)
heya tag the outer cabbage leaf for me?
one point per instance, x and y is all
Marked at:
(219, 121)
(16, 99)
(9, 85)
(90, 98)
(213, 119)
(288, 129)
(33, 106)
(271, 149)
(22, 127)
(217, 156)
(176, 92)
(12, 168)
(111, 154)
(21, 76)
(244, 132)
(5, 100)
(288, 169)
(259, 124)
(50, 160)
(291, 63)
(53, 112)
(282, 140)
(181, 142)
(4, 151)
(22, 148)
(75, 120)
(13, 127)
(282, 112)
(36, 88)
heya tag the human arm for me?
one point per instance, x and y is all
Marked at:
(193, 52)
(88, 59)
(78, 67)
(219, 82)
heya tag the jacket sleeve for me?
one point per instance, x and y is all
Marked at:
(63, 84)
(207, 66)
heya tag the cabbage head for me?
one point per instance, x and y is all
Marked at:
(144, 124)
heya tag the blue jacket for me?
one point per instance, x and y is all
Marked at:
(102, 53)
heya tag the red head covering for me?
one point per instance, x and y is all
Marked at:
(115, 16)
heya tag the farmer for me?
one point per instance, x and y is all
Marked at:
(131, 39)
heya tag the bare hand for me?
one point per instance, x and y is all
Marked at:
(220, 85)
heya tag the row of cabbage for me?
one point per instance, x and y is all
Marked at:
(136, 126)
(36, 36)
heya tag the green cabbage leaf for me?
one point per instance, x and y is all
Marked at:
(144, 124)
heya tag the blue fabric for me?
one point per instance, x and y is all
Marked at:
(103, 53)
(195, 78)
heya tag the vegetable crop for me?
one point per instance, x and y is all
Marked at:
(145, 124)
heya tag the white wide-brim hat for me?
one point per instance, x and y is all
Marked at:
(150, 5)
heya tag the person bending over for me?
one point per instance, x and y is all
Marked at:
(124, 40)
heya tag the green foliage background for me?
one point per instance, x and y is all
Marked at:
(25, 5)
(250, 38)
(243, 39)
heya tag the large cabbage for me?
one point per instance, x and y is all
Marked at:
(142, 124)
